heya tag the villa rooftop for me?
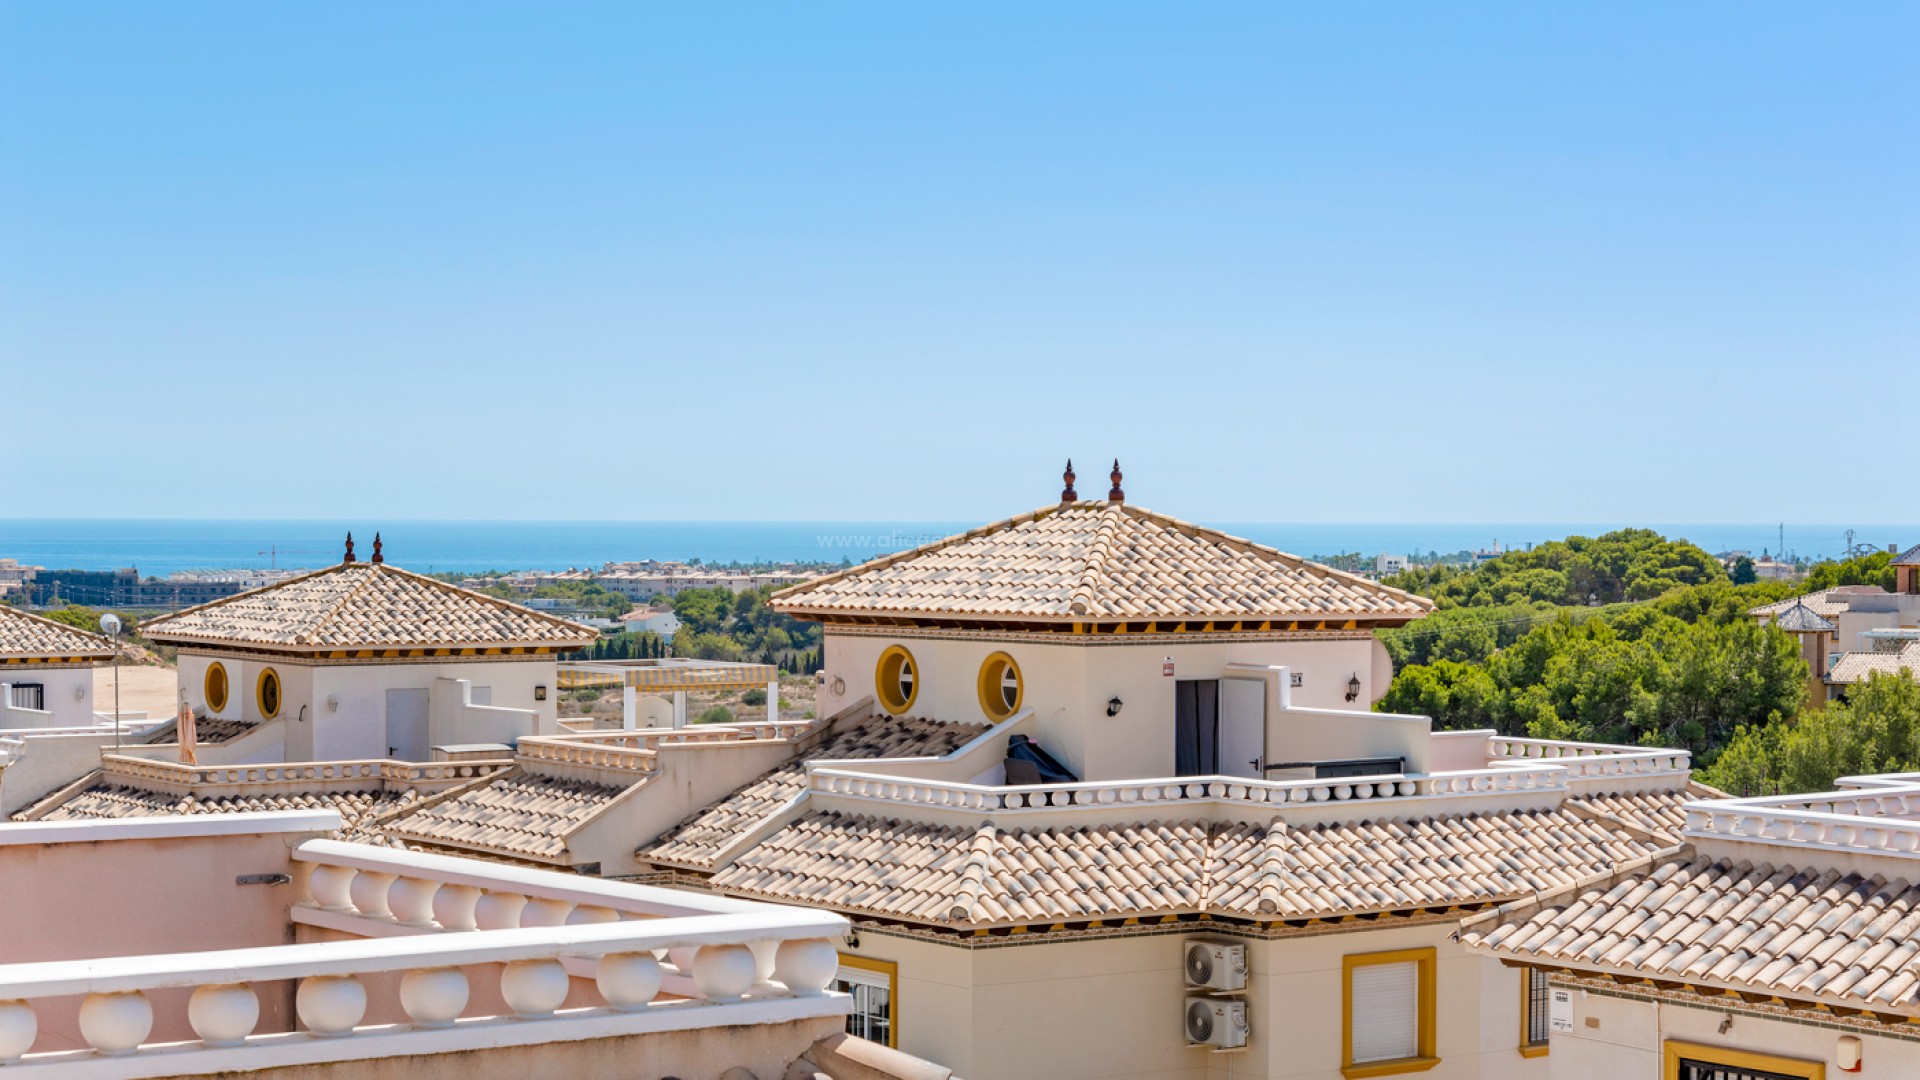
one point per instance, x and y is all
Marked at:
(1826, 603)
(1753, 926)
(1099, 561)
(358, 606)
(1857, 667)
(26, 636)
(991, 874)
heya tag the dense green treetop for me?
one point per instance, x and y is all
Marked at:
(1873, 569)
(1627, 564)
(1875, 730)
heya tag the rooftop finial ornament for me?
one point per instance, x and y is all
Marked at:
(1067, 494)
(1116, 495)
(377, 557)
(349, 557)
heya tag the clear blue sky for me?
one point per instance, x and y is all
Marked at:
(1403, 262)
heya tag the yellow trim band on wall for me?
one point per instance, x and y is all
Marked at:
(1738, 1059)
(214, 686)
(894, 661)
(993, 701)
(1426, 1056)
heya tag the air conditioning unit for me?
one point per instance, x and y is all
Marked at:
(1215, 966)
(1217, 1022)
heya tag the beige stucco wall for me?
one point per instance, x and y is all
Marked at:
(1619, 1038)
(356, 728)
(1068, 686)
(1113, 1007)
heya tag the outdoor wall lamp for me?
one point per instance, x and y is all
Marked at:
(333, 703)
(539, 693)
(79, 693)
(1353, 687)
(1113, 706)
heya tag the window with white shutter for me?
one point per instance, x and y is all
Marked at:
(1386, 1012)
(1389, 1013)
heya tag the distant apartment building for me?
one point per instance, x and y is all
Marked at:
(649, 578)
(190, 588)
(15, 577)
(1384, 564)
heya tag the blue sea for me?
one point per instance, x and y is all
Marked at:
(160, 547)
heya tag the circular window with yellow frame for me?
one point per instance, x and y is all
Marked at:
(896, 680)
(1001, 688)
(216, 686)
(266, 693)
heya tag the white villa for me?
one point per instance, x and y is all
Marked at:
(1092, 792)
(46, 671)
(364, 660)
(1775, 938)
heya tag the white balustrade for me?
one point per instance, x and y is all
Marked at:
(1592, 760)
(835, 779)
(736, 954)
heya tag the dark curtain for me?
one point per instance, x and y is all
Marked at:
(1196, 727)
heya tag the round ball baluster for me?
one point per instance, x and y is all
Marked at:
(330, 1004)
(806, 967)
(116, 1023)
(723, 972)
(534, 988)
(18, 1028)
(223, 1014)
(433, 997)
(628, 981)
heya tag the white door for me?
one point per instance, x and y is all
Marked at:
(1243, 727)
(407, 724)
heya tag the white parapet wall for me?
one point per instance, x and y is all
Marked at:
(437, 955)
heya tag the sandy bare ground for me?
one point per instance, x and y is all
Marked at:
(152, 689)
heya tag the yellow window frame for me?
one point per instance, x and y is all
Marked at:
(215, 685)
(260, 693)
(1529, 1048)
(1737, 1059)
(992, 701)
(892, 972)
(1426, 1056)
(886, 679)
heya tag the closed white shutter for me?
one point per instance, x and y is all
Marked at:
(1386, 1011)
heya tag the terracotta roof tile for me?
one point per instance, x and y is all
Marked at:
(1099, 561)
(1857, 667)
(1826, 603)
(697, 840)
(360, 810)
(989, 874)
(365, 605)
(25, 635)
(1807, 934)
(517, 815)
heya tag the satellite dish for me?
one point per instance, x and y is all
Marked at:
(110, 624)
